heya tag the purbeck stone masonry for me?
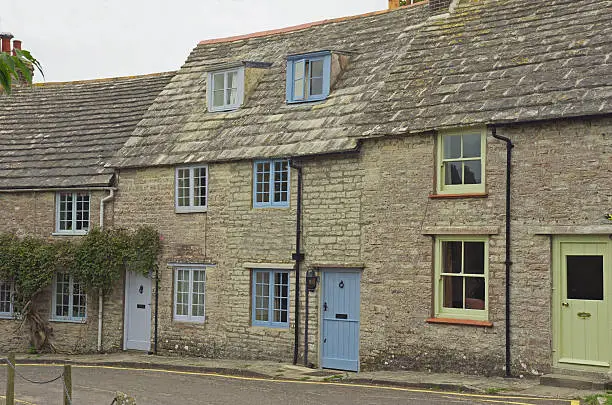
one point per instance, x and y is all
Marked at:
(371, 209)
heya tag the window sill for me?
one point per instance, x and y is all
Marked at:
(454, 321)
(80, 233)
(77, 321)
(190, 210)
(8, 317)
(271, 326)
(465, 195)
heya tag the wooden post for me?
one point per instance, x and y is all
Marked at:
(68, 384)
(10, 384)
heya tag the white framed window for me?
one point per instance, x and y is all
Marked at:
(189, 294)
(461, 279)
(69, 299)
(308, 77)
(225, 89)
(270, 298)
(72, 212)
(461, 161)
(6, 299)
(191, 189)
(271, 183)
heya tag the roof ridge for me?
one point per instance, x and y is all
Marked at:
(304, 26)
(105, 79)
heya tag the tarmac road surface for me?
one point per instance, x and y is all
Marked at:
(93, 385)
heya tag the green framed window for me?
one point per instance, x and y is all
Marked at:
(461, 161)
(462, 277)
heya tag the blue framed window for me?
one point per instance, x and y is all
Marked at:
(271, 183)
(270, 293)
(308, 77)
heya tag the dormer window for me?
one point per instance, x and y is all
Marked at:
(225, 89)
(308, 77)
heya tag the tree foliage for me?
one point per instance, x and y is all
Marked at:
(19, 66)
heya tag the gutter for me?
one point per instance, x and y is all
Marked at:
(103, 201)
(298, 256)
(508, 262)
(43, 189)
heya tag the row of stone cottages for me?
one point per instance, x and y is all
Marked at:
(378, 144)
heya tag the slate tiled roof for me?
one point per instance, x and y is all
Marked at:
(61, 134)
(491, 61)
(499, 61)
(179, 129)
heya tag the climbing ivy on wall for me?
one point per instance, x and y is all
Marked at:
(96, 260)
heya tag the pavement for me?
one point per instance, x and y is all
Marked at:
(527, 386)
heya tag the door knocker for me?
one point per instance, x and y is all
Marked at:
(141, 289)
(341, 285)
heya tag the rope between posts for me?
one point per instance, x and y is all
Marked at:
(27, 379)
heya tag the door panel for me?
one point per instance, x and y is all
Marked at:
(340, 313)
(137, 312)
(584, 271)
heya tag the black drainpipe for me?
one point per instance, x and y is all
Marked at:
(508, 263)
(298, 256)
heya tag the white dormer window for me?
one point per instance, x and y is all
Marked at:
(225, 89)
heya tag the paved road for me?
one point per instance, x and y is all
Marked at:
(96, 385)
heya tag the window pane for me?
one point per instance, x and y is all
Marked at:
(316, 69)
(232, 97)
(79, 301)
(452, 173)
(218, 98)
(199, 184)
(281, 181)
(451, 257)
(474, 257)
(82, 212)
(262, 182)
(471, 145)
(298, 69)
(585, 277)
(183, 187)
(472, 172)
(452, 146)
(232, 82)
(316, 86)
(475, 293)
(65, 214)
(197, 300)
(5, 297)
(218, 81)
(452, 291)
(298, 89)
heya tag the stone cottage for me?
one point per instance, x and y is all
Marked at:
(437, 174)
(55, 140)
(372, 153)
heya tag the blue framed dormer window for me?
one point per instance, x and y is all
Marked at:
(271, 183)
(308, 77)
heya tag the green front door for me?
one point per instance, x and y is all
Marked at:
(584, 268)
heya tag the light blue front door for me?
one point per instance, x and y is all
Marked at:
(340, 306)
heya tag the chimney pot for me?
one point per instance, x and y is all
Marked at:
(439, 6)
(16, 45)
(5, 39)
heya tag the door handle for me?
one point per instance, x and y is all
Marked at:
(565, 304)
(325, 306)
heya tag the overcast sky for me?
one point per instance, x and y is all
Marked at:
(88, 39)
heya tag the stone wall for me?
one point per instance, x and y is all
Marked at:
(373, 209)
(33, 213)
